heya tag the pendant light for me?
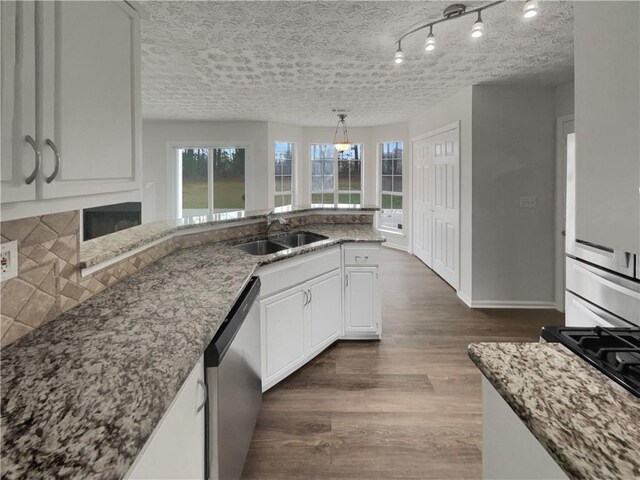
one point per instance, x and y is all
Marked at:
(342, 144)
(430, 44)
(478, 28)
(399, 56)
(530, 9)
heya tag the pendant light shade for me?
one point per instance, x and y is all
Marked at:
(430, 44)
(399, 56)
(341, 138)
(530, 9)
(478, 28)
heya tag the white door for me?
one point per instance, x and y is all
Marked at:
(175, 449)
(446, 208)
(90, 98)
(361, 299)
(422, 208)
(323, 313)
(282, 332)
(436, 206)
(18, 156)
(565, 126)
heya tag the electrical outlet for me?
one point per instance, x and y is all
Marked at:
(8, 260)
(527, 202)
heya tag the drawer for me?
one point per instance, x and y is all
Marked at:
(363, 255)
(616, 294)
(285, 274)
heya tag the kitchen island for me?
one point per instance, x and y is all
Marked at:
(588, 424)
(82, 394)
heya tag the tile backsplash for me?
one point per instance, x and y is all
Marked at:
(48, 250)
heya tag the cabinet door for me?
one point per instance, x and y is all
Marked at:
(362, 301)
(90, 97)
(176, 447)
(18, 157)
(282, 318)
(323, 315)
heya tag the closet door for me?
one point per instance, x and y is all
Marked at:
(422, 202)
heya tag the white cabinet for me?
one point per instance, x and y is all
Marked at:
(19, 159)
(362, 305)
(282, 318)
(82, 59)
(323, 316)
(176, 447)
(90, 98)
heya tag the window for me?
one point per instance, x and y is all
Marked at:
(391, 185)
(210, 180)
(350, 175)
(324, 159)
(284, 174)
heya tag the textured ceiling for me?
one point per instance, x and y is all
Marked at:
(294, 61)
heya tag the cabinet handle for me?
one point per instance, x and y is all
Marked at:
(50, 178)
(346, 280)
(310, 296)
(204, 402)
(29, 139)
(306, 298)
(359, 257)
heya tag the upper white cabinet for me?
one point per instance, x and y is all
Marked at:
(20, 159)
(77, 65)
(607, 122)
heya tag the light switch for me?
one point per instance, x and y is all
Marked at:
(527, 202)
(8, 260)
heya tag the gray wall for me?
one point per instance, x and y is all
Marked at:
(607, 76)
(513, 156)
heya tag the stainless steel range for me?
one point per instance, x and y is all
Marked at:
(602, 283)
(613, 351)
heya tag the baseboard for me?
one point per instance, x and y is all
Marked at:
(395, 247)
(466, 300)
(532, 304)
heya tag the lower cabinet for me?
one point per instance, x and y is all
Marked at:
(297, 324)
(175, 449)
(361, 302)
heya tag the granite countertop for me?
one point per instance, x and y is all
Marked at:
(82, 393)
(97, 250)
(589, 424)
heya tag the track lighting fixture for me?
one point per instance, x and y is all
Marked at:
(399, 56)
(478, 28)
(430, 44)
(530, 9)
(453, 12)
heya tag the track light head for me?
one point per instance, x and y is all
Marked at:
(478, 28)
(530, 9)
(430, 44)
(398, 58)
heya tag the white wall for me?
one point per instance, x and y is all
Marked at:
(280, 132)
(455, 108)
(157, 135)
(565, 99)
(513, 156)
(607, 78)
(393, 133)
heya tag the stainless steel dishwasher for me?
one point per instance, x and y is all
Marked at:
(234, 388)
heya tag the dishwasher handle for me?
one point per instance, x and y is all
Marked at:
(221, 342)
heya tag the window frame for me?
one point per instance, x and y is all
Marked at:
(292, 192)
(391, 193)
(336, 181)
(175, 173)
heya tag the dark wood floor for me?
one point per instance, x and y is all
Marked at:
(408, 406)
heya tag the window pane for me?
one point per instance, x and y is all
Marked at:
(278, 201)
(327, 167)
(278, 184)
(356, 175)
(228, 178)
(195, 188)
(286, 199)
(316, 198)
(355, 199)
(316, 183)
(316, 167)
(397, 184)
(286, 184)
(396, 201)
(387, 166)
(397, 167)
(343, 198)
(387, 183)
(343, 175)
(327, 183)
(386, 201)
(327, 198)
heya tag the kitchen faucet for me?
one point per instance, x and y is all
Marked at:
(272, 219)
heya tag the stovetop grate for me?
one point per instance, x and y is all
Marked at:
(614, 351)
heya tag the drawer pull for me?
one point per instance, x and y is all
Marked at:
(204, 402)
(359, 257)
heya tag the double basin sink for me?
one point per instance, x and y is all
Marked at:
(266, 246)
